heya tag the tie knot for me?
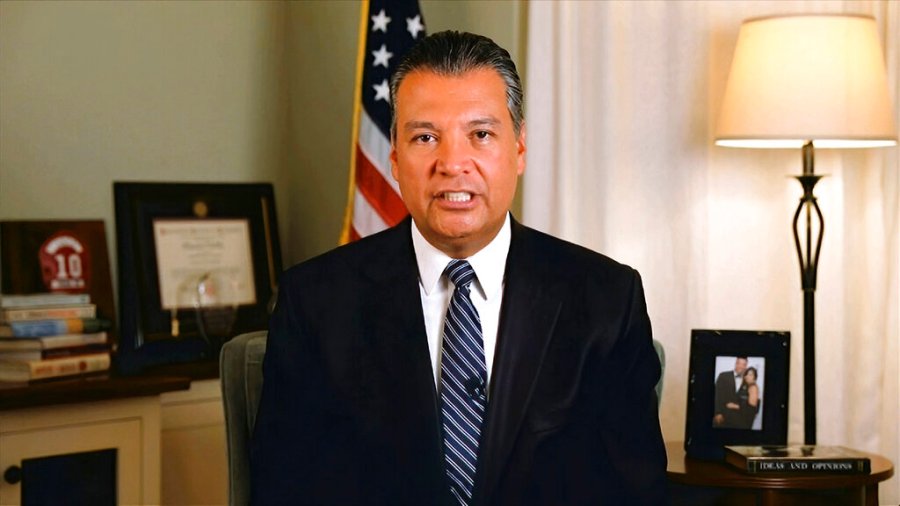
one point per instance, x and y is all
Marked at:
(460, 272)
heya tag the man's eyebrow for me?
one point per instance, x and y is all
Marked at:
(486, 121)
(416, 125)
(427, 125)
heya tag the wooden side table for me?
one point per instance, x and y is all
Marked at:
(698, 482)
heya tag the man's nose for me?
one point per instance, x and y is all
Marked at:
(454, 156)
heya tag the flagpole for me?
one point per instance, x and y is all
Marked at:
(357, 105)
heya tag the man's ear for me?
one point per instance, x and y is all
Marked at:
(393, 158)
(520, 150)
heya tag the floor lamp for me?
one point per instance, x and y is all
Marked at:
(805, 82)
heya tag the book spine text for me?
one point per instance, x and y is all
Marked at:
(21, 315)
(52, 368)
(808, 466)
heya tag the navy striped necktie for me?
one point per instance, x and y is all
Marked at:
(463, 382)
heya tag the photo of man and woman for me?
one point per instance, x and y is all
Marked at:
(739, 392)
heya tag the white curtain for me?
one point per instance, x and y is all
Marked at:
(622, 99)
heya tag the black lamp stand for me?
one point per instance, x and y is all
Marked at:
(809, 263)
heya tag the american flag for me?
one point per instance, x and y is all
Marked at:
(388, 29)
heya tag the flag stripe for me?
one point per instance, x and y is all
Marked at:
(377, 148)
(375, 189)
(366, 220)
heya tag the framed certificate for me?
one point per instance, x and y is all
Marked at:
(198, 264)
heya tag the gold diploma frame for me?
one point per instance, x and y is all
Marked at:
(198, 264)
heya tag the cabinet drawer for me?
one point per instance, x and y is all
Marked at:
(122, 435)
(129, 426)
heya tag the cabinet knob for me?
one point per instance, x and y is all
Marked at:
(12, 475)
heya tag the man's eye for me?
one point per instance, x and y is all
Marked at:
(482, 134)
(424, 138)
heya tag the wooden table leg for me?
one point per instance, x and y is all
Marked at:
(768, 497)
(872, 495)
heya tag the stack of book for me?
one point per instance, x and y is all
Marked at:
(51, 335)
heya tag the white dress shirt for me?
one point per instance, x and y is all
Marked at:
(487, 291)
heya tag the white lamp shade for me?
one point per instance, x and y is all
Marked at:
(801, 78)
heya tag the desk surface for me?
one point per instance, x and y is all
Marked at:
(687, 471)
(86, 389)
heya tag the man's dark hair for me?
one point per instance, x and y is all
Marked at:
(452, 53)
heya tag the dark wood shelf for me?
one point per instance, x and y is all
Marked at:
(105, 386)
(201, 370)
(99, 387)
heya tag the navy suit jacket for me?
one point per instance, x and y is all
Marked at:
(349, 412)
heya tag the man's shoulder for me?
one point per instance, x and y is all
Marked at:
(563, 258)
(349, 260)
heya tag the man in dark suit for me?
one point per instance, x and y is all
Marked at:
(522, 373)
(727, 385)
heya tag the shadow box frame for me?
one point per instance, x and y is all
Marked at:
(702, 439)
(146, 338)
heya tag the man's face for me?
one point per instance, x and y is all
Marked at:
(740, 365)
(456, 157)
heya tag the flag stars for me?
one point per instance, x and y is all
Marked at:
(414, 26)
(382, 91)
(382, 56)
(380, 22)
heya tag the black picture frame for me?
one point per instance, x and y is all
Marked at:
(146, 328)
(705, 434)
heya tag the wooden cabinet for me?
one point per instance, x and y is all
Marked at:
(167, 433)
(129, 426)
(109, 422)
(194, 455)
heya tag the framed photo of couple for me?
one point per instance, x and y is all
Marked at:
(737, 390)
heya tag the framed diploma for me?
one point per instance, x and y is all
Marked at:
(198, 264)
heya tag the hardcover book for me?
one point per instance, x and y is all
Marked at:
(19, 371)
(798, 459)
(39, 300)
(71, 351)
(52, 342)
(48, 313)
(44, 328)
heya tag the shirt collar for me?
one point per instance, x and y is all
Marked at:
(489, 263)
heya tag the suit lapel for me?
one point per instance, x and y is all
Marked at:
(528, 316)
(395, 315)
(396, 349)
